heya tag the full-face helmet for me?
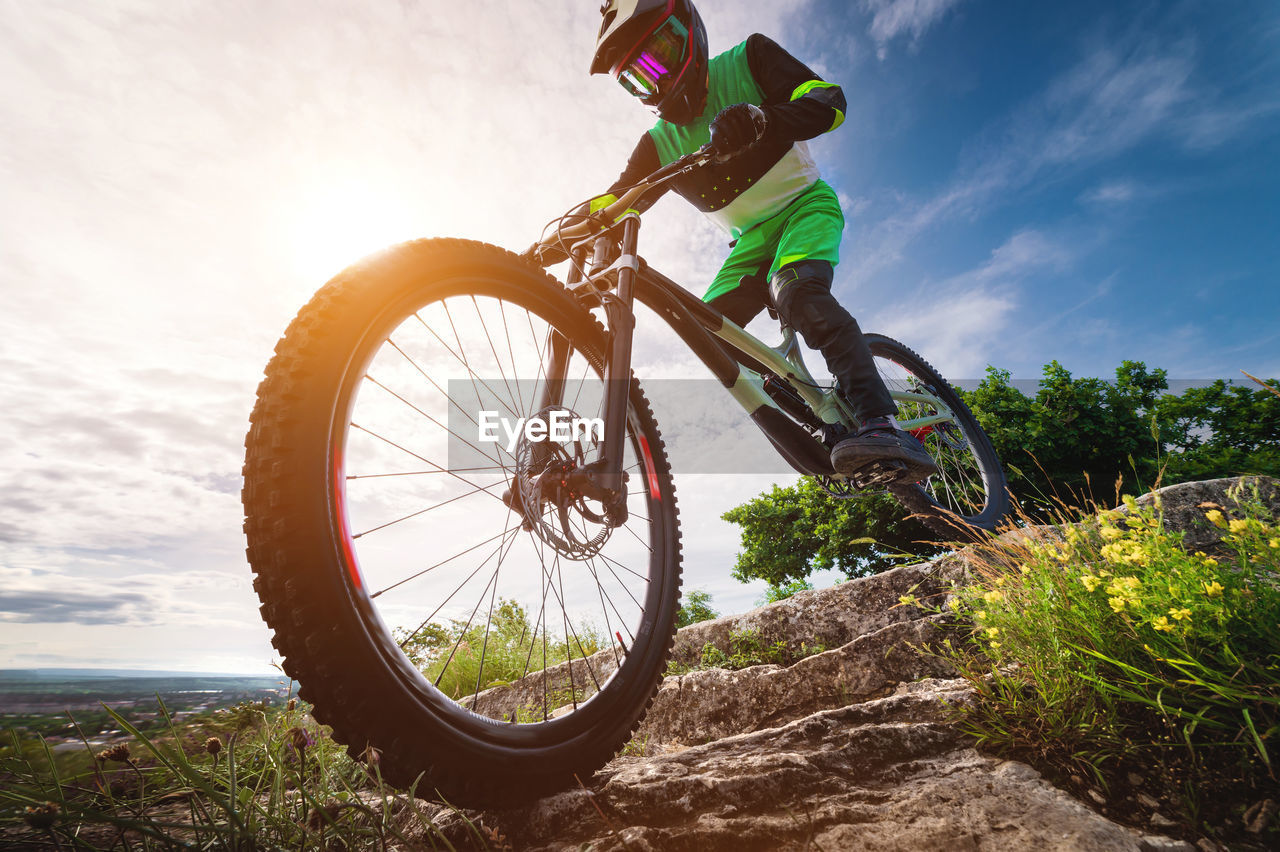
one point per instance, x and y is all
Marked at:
(657, 50)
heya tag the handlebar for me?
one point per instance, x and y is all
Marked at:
(589, 226)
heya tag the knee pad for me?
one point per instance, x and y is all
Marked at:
(802, 294)
(794, 278)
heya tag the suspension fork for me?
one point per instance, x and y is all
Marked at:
(619, 310)
(557, 361)
(603, 478)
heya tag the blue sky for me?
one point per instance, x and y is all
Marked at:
(1121, 158)
(1088, 182)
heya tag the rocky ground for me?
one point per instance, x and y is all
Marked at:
(847, 749)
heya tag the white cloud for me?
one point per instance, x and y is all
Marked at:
(959, 321)
(1112, 192)
(178, 180)
(894, 18)
(1116, 97)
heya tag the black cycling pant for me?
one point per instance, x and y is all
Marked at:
(801, 293)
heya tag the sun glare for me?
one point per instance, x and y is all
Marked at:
(338, 223)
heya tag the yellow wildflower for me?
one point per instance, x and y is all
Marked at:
(994, 644)
(1209, 560)
(1090, 582)
(981, 615)
(1025, 570)
(1137, 554)
(993, 596)
(1274, 543)
(954, 603)
(1214, 589)
(1111, 533)
(1162, 623)
(992, 632)
(906, 600)
(1124, 585)
(1215, 517)
(1238, 526)
(1180, 614)
(1117, 603)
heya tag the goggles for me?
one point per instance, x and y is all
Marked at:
(652, 71)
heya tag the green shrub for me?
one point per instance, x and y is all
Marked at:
(746, 649)
(695, 606)
(1113, 643)
(463, 659)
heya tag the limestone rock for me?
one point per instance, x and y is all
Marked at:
(849, 749)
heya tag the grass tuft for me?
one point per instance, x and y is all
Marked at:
(248, 778)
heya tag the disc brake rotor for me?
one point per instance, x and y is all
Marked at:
(558, 515)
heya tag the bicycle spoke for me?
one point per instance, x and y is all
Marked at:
(351, 476)
(424, 511)
(419, 458)
(437, 565)
(461, 585)
(496, 360)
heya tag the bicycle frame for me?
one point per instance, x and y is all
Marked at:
(744, 365)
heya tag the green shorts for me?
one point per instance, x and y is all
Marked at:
(809, 228)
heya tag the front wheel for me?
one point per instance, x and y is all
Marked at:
(442, 598)
(969, 492)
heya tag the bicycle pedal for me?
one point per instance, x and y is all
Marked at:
(878, 473)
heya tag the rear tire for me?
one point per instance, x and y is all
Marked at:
(346, 436)
(969, 493)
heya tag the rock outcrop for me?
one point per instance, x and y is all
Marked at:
(847, 749)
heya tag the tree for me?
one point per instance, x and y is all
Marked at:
(789, 532)
(1221, 430)
(695, 606)
(1076, 437)
(1073, 441)
(775, 593)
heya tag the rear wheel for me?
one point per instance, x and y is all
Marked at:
(443, 598)
(969, 492)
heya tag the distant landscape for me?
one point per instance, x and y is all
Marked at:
(65, 705)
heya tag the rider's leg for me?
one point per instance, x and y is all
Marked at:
(740, 290)
(745, 301)
(802, 293)
(800, 285)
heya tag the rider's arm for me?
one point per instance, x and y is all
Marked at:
(798, 103)
(642, 162)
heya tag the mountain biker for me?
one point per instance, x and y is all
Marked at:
(756, 104)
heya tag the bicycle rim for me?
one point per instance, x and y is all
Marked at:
(500, 628)
(968, 486)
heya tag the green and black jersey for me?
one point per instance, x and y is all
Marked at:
(769, 175)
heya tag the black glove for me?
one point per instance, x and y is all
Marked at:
(737, 128)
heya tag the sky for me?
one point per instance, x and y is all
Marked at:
(1088, 182)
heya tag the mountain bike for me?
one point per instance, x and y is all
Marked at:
(491, 619)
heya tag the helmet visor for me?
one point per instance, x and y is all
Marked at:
(652, 71)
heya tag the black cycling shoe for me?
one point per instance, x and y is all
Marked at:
(879, 441)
